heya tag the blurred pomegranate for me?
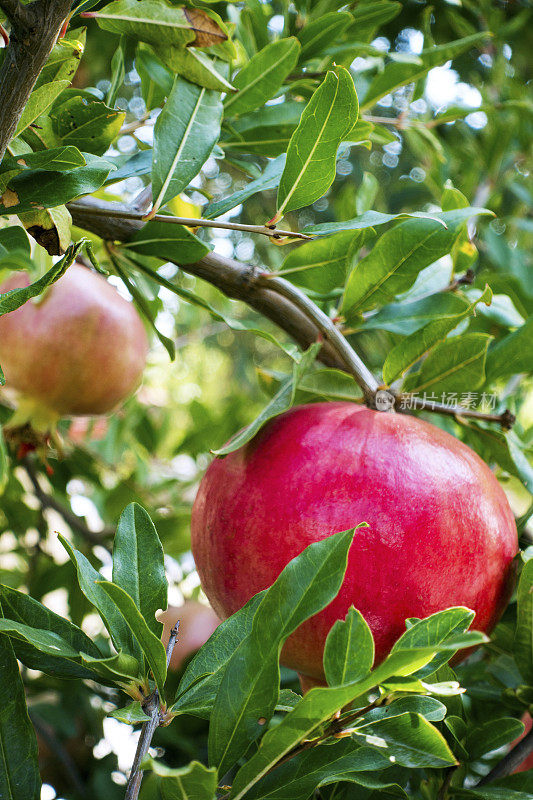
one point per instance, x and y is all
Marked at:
(197, 623)
(80, 349)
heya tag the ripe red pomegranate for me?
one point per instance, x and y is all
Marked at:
(81, 349)
(197, 623)
(441, 530)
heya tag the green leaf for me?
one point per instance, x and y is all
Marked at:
(408, 740)
(153, 21)
(14, 298)
(23, 610)
(491, 735)
(90, 126)
(456, 365)
(195, 66)
(167, 242)
(282, 401)
(315, 708)
(396, 74)
(118, 73)
(262, 76)
(249, 689)
(63, 61)
(151, 645)
(319, 34)
(398, 256)
(369, 219)
(310, 167)
(90, 584)
(39, 100)
(119, 669)
(56, 159)
(514, 787)
(33, 190)
(184, 135)
(45, 641)
(130, 714)
(266, 131)
(156, 79)
(512, 354)
(19, 766)
(268, 180)
(200, 681)
(349, 650)
(406, 318)
(410, 350)
(437, 629)
(138, 564)
(323, 264)
(504, 448)
(523, 649)
(430, 708)
(320, 766)
(193, 782)
(13, 239)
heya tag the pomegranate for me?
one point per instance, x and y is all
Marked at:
(79, 350)
(197, 623)
(441, 532)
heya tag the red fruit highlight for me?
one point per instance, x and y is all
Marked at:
(441, 532)
(80, 350)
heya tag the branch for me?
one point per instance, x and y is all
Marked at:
(151, 707)
(511, 761)
(34, 30)
(73, 521)
(232, 277)
(193, 222)
(274, 298)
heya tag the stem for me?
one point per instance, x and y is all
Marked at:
(329, 331)
(511, 761)
(151, 707)
(192, 222)
(505, 419)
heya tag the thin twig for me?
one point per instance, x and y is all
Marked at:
(406, 402)
(73, 521)
(192, 222)
(511, 761)
(151, 707)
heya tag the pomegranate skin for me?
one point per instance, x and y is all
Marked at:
(81, 350)
(441, 532)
